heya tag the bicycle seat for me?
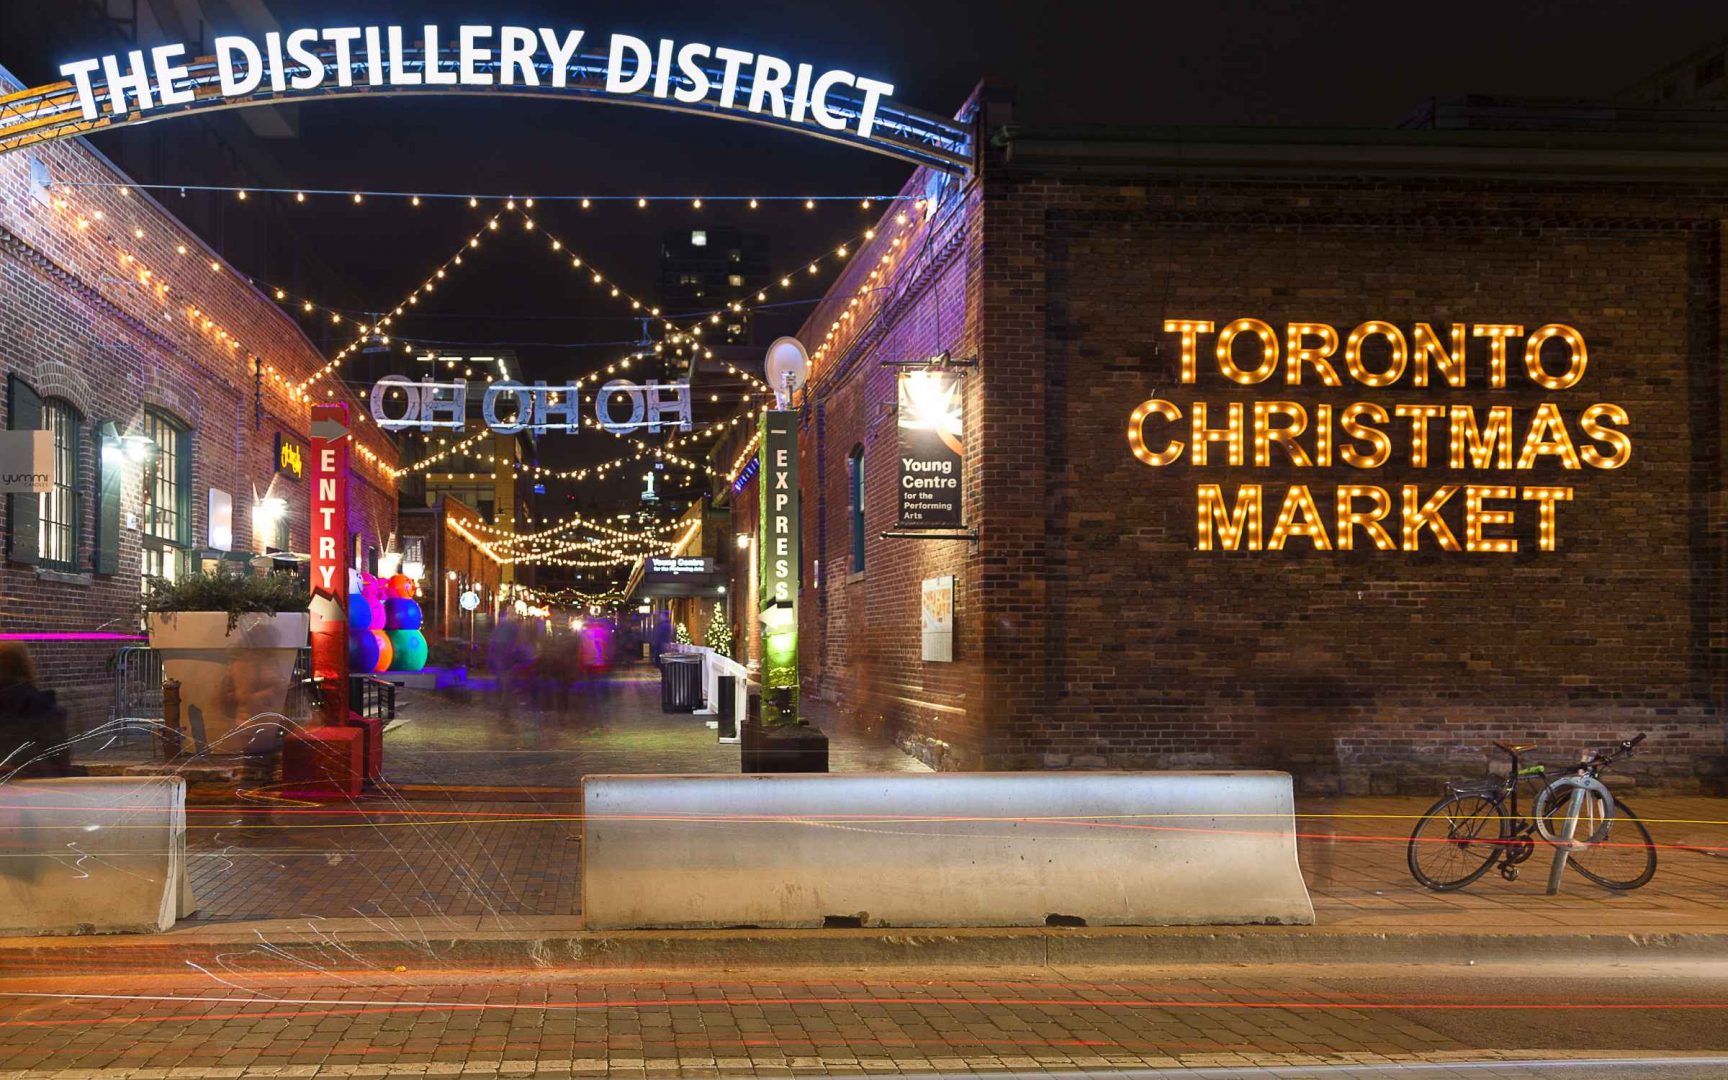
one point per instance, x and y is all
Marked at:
(1516, 748)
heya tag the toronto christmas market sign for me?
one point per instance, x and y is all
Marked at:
(1497, 441)
(318, 63)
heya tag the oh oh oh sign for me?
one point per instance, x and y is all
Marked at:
(619, 406)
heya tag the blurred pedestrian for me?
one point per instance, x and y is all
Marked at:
(508, 653)
(662, 636)
(33, 733)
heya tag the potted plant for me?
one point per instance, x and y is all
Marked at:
(230, 638)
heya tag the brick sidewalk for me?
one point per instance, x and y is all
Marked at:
(486, 827)
(559, 1025)
(1353, 856)
(437, 855)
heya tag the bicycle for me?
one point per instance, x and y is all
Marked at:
(1479, 823)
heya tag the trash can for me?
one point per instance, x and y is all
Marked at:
(680, 682)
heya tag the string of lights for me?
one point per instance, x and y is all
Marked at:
(410, 300)
(676, 336)
(574, 520)
(358, 196)
(849, 316)
(154, 279)
(743, 458)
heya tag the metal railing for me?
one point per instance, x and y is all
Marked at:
(137, 700)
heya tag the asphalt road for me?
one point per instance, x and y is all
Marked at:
(1240, 1021)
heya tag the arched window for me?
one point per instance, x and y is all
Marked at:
(59, 528)
(43, 527)
(855, 505)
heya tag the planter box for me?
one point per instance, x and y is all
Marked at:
(233, 686)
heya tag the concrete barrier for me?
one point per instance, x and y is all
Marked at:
(943, 849)
(99, 854)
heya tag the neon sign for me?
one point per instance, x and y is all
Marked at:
(430, 405)
(307, 60)
(289, 459)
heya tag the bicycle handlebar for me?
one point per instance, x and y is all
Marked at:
(1626, 746)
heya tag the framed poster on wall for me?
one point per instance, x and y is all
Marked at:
(936, 616)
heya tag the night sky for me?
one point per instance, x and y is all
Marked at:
(1355, 63)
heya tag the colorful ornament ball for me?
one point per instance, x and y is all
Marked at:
(409, 650)
(402, 614)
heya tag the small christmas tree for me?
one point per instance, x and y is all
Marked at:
(719, 633)
(682, 635)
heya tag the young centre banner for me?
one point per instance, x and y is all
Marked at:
(931, 451)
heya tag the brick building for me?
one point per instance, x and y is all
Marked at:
(1100, 619)
(117, 322)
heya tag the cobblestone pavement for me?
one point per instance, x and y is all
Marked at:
(610, 726)
(1353, 856)
(440, 854)
(362, 1023)
(388, 859)
(479, 818)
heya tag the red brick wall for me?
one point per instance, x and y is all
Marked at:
(1094, 634)
(79, 320)
(860, 637)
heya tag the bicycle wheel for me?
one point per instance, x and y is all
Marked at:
(1456, 841)
(1624, 861)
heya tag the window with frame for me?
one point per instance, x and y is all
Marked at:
(58, 527)
(167, 517)
(855, 505)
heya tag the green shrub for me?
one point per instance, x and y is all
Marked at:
(233, 591)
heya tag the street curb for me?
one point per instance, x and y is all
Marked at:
(298, 945)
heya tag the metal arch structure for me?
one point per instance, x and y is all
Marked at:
(48, 113)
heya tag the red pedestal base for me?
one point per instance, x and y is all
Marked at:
(324, 763)
(373, 726)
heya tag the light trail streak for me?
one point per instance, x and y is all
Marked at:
(357, 1008)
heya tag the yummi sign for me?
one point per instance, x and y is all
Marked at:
(619, 406)
(388, 57)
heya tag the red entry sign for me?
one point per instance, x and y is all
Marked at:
(330, 434)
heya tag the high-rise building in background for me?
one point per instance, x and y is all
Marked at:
(703, 269)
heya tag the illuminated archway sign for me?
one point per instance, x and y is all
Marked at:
(306, 64)
(399, 402)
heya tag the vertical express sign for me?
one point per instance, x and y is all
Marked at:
(330, 434)
(780, 507)
(932, 455)
(779, 577)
